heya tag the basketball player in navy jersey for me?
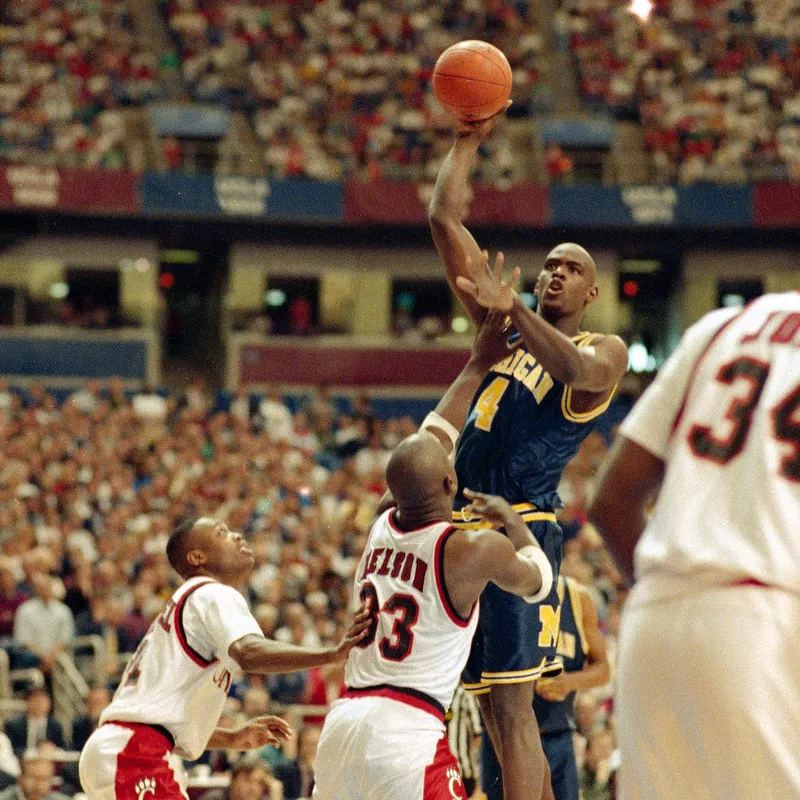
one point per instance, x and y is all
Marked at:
(582, 652)
(527, 420)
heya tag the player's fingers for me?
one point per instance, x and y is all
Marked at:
(515, 275)
(498, 265)
(466, 285)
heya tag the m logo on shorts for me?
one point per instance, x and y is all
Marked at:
(145, 786)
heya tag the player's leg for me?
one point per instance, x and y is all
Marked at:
(559, 751)
(129, 762)
(491, 774)
(523, 761)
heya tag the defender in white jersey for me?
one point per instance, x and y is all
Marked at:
(171, 695)
(709, 688)
(421, 580)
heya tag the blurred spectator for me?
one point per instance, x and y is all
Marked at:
(172, 154)
(597, 774)
(149, 405)
(82, 728)
(43, 626)
(11, 598)
(35, 781)
(559, 165)
(251, 779)
(325, 685)
(29, 730)
(297, 775)
(277, 418)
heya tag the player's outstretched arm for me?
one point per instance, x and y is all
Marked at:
(449, 206)
(596, 670)
(514, 562)
(592, 369)
(253, 734)
(254, 653)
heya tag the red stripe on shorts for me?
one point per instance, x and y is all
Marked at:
(143, 772)
(442, 776)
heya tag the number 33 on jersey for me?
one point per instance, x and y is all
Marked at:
(416, 640)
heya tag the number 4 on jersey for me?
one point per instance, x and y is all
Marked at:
(489, 402)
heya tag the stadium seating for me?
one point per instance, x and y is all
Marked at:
(66, 70)
(715, 84)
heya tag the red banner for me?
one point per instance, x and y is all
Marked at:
(776, 204)
(523, 205)
(112, 191)
(349, 366)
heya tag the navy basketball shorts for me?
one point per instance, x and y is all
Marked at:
(516, 641)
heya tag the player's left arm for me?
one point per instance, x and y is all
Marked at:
(596, 671)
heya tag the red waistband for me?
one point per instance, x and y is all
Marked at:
(751, 582)
(141, 726)
(411, 697)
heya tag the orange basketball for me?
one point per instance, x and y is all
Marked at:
(472, 80)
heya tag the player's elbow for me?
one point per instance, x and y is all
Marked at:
(248, 652)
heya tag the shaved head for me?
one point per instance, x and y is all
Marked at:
(418, 472)
(578, 253)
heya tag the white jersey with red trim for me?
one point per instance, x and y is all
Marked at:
(418, 644)
(181, 672)
(724, 415)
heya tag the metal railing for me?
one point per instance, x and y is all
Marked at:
(70, 690)
(94, 667)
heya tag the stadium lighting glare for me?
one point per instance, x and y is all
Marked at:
(641, 9)
(460, 324)
(275, 298)
(638, 357)
(58, 291)
(141, 265)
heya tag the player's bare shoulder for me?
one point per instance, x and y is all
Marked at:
(610, 355)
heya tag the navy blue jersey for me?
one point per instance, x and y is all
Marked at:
(571, 650)
(520, 433)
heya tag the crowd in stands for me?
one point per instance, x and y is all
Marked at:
(67, 67)
(715, 83)
(341, 88)
(90, 489)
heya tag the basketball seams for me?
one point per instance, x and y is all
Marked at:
(465, 78)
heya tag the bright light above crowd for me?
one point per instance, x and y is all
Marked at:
(641, 8)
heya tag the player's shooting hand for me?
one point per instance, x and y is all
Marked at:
(480, 129)
(259, 732)
(355, 633)
(553, 689)
(490, 508)
(491, 341)
(486, 285)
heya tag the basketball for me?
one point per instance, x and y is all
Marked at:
(472, 80)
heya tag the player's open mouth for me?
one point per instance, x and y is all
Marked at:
(554, 289)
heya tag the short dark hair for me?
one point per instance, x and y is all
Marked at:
(176, 545)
